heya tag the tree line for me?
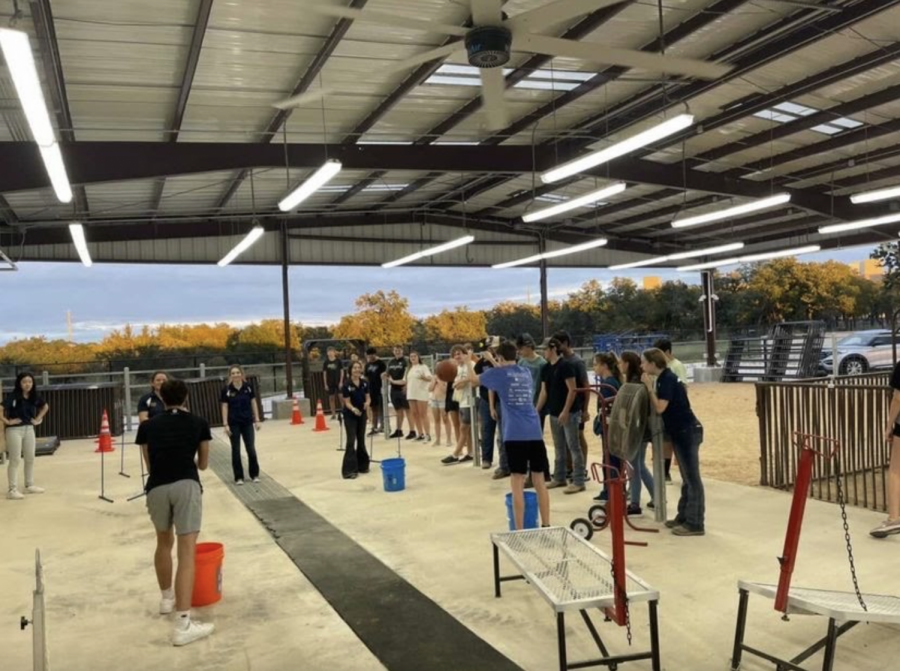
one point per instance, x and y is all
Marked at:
(751, 296)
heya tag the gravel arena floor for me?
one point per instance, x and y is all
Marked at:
(730, 450)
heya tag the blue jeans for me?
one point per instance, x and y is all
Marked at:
(488, 431)
(692, 504)
(641, 473)
(565, 438)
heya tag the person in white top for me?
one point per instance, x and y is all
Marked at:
(418, 378)
(462, 394)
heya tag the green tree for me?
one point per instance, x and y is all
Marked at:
(382, 319)
(513, 319)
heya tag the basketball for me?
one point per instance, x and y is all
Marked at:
(446, 370)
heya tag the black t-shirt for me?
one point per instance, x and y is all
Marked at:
(356, 394)
(151, 404)
(333, 372)
(678, 415)
(240, 403)
(581, 379)
(396, 369)
(555, 376)
(895, 381)
(480, 367)
(172, 441)
(26, 409)
(373, 371)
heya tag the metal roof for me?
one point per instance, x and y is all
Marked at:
(165, 117)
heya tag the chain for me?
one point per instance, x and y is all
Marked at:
(843, 505)
(624, 593)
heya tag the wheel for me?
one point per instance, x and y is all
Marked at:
(854, 365)
(597, 515)
(583, 528)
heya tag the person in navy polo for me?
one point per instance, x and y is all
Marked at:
(23, 409)
(152, 404)
(356, 404)
(240, 417)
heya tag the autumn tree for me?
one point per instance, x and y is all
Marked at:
(457, 325)
(267, 335)
(382, 319)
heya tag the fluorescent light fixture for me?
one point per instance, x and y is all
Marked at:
(721, 249)
(431, 251)
(575, 203)
(591, 244)
(640, 264)
(731, 247)
(592, 160)
(862, 223)
(16, 50)
(750, 258)
(737, 210)
(874, 196)
(255, 234)
(319, 178)
(77, 233)
(20, 61)
(56, 170)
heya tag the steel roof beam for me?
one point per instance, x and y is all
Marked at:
(309, 76)
(42, 15)
(187, 81)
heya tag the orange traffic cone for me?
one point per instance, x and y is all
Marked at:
(320, 418)
(105, 439)
(296, 417)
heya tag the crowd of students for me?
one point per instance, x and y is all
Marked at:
(559, 394)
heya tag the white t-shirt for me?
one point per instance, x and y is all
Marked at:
(464, 394)
(418, 378)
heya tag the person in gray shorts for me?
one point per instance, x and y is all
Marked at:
(175, 447)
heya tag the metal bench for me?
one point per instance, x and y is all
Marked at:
(841, 608)
(573, 575)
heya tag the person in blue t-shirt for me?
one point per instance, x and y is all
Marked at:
(521, 428)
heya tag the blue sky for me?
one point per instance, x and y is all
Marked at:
(108, 296)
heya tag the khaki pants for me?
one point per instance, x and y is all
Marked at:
(20, 445)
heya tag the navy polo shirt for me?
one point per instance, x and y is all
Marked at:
(240, 403)
(678, 415)
(26, 409)
(151, 404)
(356, 394)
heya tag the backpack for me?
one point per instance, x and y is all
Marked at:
(628, 421)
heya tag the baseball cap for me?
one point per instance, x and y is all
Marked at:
(525, 340)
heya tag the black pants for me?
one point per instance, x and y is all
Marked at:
(356, 458)
(248, 432)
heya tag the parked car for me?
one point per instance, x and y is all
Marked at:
(859, 352)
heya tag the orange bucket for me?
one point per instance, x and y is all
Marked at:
(208, 574)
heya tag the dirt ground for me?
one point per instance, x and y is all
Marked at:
(730, 450)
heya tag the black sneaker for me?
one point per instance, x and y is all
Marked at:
(668, 479)
(634, 511)
(372, 432)
(671, 524)
(468, 457)
(651, 506)
(411, 435)
(397, 434)
(450, 459)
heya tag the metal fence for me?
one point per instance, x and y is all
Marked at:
(852, 410)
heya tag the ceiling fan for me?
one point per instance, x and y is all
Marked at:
(494, 36)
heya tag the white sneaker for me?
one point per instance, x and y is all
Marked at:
(886, 528)
(255, 479)
(15, 495)
(34, 489)
(194, 632)
(239, 482)
(166, 606)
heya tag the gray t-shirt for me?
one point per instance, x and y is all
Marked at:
(534, 366)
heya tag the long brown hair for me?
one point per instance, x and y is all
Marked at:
(609, 360)
(633, 359)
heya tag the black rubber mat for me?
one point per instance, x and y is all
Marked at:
(402, 627)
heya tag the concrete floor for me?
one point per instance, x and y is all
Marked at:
(101, 594)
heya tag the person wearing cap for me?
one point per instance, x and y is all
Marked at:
(561, 401)
(581, 382)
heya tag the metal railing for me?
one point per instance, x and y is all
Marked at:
(40, 656)
(852, 410)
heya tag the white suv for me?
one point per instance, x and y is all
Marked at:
(859, 352)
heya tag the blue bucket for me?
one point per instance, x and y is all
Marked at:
(394, 473)
(531, 511)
